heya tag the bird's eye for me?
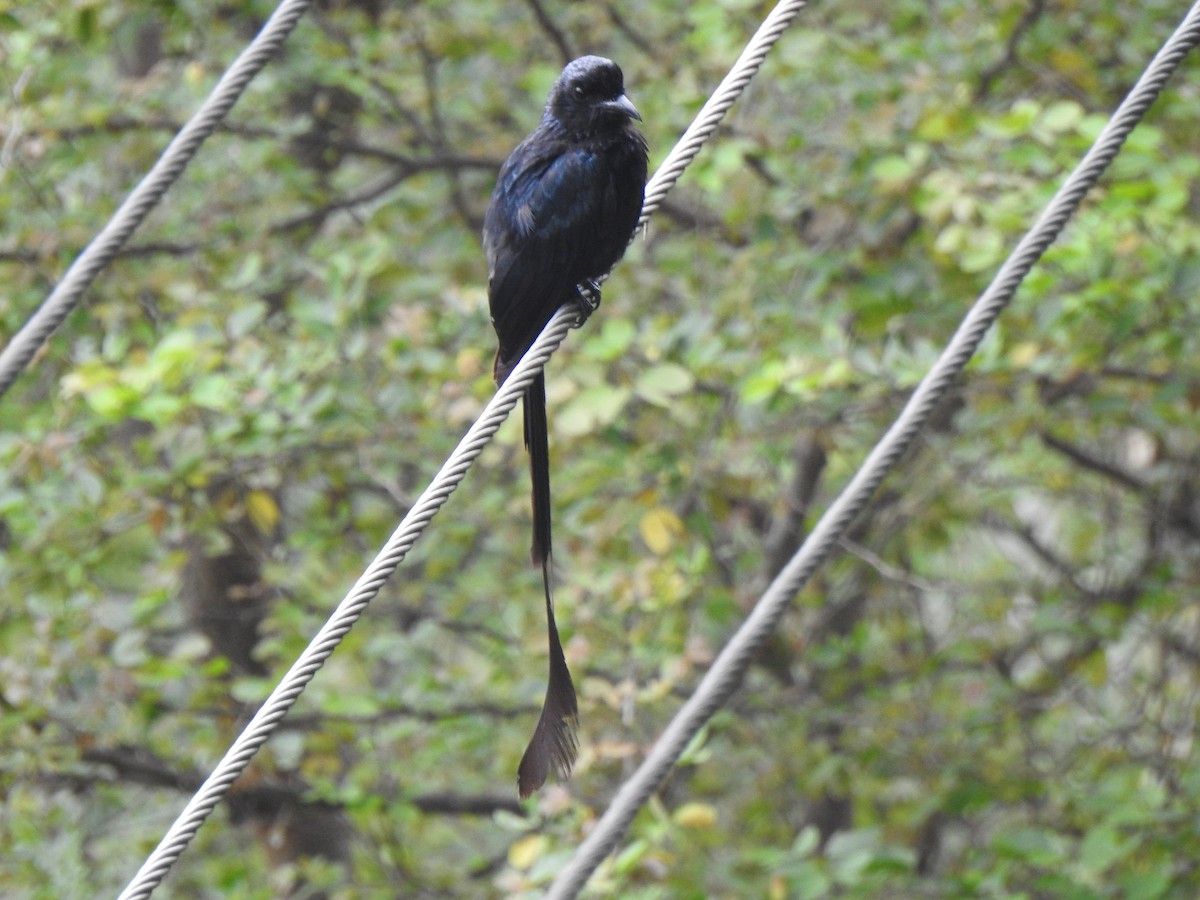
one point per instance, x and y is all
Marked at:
(578, 91)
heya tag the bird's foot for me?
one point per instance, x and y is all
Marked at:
(589, 300)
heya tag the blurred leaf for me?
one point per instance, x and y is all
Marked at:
(695, 815)
(525, 851)
(661, 383)
(591, 409)
(660, 527)
(263, 511)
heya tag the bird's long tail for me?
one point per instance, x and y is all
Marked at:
(553, 744)
(537, 442)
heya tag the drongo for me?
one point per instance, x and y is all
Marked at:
(565, 207)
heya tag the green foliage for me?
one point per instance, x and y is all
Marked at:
(990, 695)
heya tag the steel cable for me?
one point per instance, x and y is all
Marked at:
(285, 694)
(66, 295)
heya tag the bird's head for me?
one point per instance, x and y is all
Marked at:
(589, 97)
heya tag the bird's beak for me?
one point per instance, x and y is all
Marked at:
(625, 105)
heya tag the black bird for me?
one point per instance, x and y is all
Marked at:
(565, 206)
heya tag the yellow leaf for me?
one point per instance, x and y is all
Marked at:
(695, 815)
(1024, 353)
(659, 527)
(262, 510)
(525, 852)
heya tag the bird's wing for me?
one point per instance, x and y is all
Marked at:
(544, 217)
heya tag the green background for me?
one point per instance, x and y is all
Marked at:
(990, 693)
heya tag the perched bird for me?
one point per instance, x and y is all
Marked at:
(565, 207)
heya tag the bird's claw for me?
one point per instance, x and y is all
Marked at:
(589, 300)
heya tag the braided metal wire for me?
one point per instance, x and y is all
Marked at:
(285, 694)
(711, 114)
(718, 104)
(149, 191)
(276, 706)
(729, 667)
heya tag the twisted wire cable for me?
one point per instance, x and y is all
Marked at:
(711, 114)
(149, 191)
(285, 694)
(276, 706)
(729, 667)
(718, 104)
